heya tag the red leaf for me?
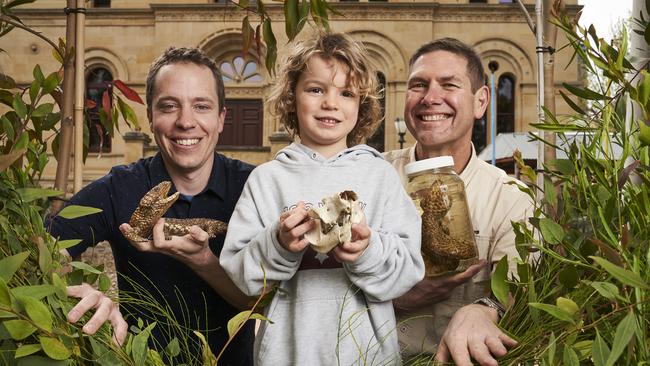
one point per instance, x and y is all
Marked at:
(129, 93)
(106, 105)
(90, 104)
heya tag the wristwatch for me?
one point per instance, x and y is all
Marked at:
(492, 304)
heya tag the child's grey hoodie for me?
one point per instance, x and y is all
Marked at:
(325, 313)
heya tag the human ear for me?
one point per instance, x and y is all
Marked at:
(481, 101)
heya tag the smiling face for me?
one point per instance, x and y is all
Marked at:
(326, 106)
(186, 118)
(440, 106)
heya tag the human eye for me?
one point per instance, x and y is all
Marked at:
(348, 94)
(450, 86)
(167, 107)
(315, 90)
(203, 107)
(417, 85)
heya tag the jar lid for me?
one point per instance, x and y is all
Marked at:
(428, 164)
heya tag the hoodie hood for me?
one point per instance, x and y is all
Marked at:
(299, 154)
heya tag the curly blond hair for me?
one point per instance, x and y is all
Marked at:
(360, 75)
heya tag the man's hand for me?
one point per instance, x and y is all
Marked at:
(472, 334)
(293, 226)
(105, 310)
(433, 290)
(352, 250)
(191, 249)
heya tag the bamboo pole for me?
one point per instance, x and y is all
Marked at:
(80, 91)
(67, 125)
(539, 27)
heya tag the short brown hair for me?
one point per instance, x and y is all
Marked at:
(475, 69)
(175, 55)
(361, 75)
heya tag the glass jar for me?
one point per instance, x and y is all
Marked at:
(448, 243)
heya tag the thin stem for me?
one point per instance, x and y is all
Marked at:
(6, 19)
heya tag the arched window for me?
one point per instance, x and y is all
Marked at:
(377, 140)
(240, 70)
(98, 82)
(506, 104)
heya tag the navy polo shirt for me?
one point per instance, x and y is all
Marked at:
(158, 277)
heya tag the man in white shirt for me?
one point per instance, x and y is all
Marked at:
(445, 94)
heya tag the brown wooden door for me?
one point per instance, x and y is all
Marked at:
(244, 123)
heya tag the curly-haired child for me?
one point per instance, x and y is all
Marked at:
(331, 308)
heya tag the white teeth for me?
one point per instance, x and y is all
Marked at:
(327, 120)
(434, 117)
(187, 142)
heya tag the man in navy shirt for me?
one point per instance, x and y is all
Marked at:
(185, 108)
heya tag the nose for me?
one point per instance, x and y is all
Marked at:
(330, 101)
(185, 119)
(432, 96)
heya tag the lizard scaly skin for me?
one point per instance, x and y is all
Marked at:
(153, 206)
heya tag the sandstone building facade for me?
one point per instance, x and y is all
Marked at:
(123, 36)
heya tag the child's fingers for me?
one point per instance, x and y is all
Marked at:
(360, 231)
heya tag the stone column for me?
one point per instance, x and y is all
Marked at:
(134, 145)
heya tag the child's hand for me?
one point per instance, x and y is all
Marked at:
(293, 226)
(352, 250)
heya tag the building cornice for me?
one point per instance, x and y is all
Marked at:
(349, 11)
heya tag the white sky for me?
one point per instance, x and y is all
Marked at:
(603, 13)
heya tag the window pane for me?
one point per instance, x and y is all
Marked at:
(506, 104)
(239, 64)
(97, 84)
(250, 68)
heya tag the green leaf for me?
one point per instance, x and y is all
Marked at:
(624, 332)
(60, 286)
(6, 82)
(644, 134)
(85, 267)
(599, 351)
(65, 244)
(571, 103)
(554, 311)
(139, 346)
(19, 106)
(584, 93)
(127, 113)
(9, 265)
(19, 329)
(104, 282)
(27, 349)
(50, 83)
(41, 361)
(21, 142)
(34, 88)
(5, 299)
(552, 232)
(291, 18)
(38, 74)
(568, 277)
(568, 305)
(271, 48)
(37, 312)
(32, 194)
(8, 128)
(569, 357)
(74, 211)
(235, 322)
(54, 348)
(207, 356)
(607, 290)
(643, 88)
(626, 277)
(173, 348)
(36, 291)
(43, 110)
(44, 256)
(498, 282)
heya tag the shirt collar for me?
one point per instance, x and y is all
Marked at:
(158, 173)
